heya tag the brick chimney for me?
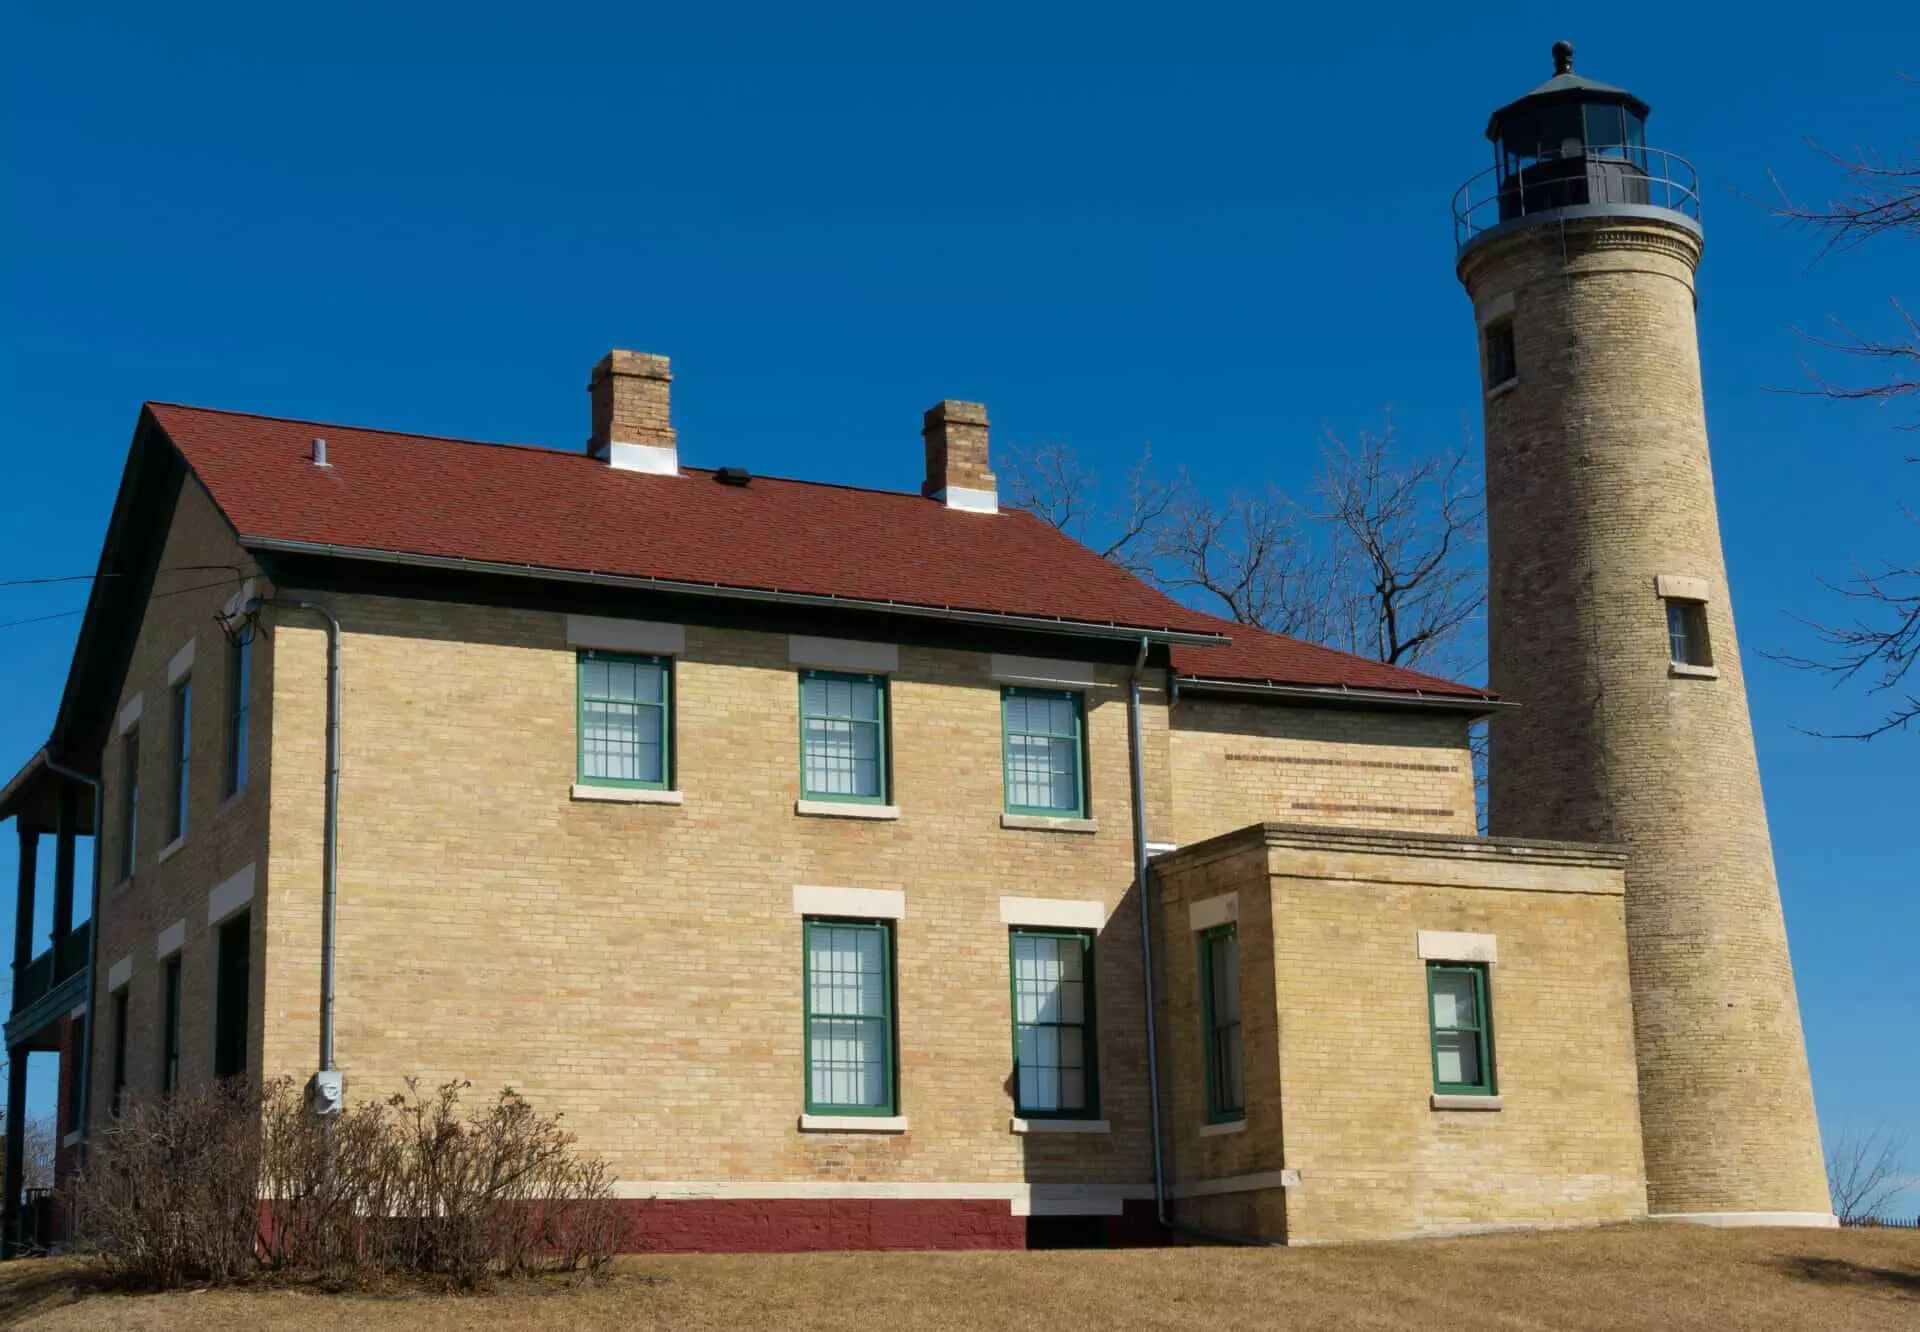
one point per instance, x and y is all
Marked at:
(957, 471)
(631, 429)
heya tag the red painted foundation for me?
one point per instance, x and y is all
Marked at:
(711, 1225)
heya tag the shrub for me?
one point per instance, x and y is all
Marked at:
(221, 1183)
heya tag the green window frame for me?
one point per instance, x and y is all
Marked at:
(843, 737)
(847, 975)
(231, 994)
(624, 721)
(182, 759)
(1056, 1065)
(1460, 1019)
(1043, 746)
(170, 1026)
(1220, 1018)
(239, 693)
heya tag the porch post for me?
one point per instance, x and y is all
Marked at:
(16, 1151)
(23, 902)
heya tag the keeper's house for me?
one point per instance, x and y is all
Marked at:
(789, 839)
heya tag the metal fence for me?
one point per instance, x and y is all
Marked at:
(1597, 175)
(1882, 1222)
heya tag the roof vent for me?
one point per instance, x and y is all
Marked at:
(320, 452)
(733, 476)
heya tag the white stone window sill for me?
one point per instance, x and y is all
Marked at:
(626, 795)
(1442, 1102)
(120, 887)
(1691, 672)
(1019, 1125)
(170, 850)
(844, 809)
(1049, 823)
(71, 1140)
(1503, 388)
(853, 1123)
(230, 802)
(1218, 1130)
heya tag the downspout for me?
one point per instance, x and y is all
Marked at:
(1136, 766)
(93, 942)
(325, 1089)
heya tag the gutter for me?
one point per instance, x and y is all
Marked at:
(817, 600)
(93, 941)
(1416, 699)
(1136, 773)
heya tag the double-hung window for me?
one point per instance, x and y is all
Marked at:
(1055, 1073)
(182, 759)
(625, 721)
(1220, 1016)
(1044, 752)
(850, 1042)
(843, 737)
(1462, 1029)
(120, 999)
(170, 1025)
(230, 996)
(239, 688)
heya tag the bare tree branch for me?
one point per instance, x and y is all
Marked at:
(1879, 643)
(1866, 1172)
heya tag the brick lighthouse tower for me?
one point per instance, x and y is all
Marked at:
(1611, 625)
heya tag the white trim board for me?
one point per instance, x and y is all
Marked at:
(181, 664)
(843, 654)
(1024, 1199)
(230, 896)
(855, 903)
(1053, 913)
(1453, 946)
(1042, 671)
(649, 637)
(119, 974)
(170, 941)
(1211, 911)
(130, 714)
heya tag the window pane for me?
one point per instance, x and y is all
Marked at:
(1453, 1000)
(1235, 1082)
(1456, 1058)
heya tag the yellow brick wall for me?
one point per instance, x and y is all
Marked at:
(201, 568)
(638, 966)
(1350, 1107)
(1236, 763)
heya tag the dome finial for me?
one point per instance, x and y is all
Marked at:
(1563, 57)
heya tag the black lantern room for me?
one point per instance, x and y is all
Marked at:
(1573, 143)
(1570, 141)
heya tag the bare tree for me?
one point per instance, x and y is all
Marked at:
(1866, 1171)
(1406, 534)
(1382, 560)
(1879, 644)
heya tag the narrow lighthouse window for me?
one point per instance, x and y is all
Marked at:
(1501, 366)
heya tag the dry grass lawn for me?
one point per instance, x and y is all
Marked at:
(1623, 1277)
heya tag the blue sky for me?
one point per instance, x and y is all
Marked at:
(1214, 230)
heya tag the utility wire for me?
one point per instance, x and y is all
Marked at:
(157, 596)
(88, 578)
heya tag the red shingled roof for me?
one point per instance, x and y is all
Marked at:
(522, 505)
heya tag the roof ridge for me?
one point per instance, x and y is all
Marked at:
(538, 448)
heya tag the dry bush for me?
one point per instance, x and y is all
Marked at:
(221, 1183)
(169, 1194)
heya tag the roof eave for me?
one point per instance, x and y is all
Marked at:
(1419, 700)
(780, 596)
